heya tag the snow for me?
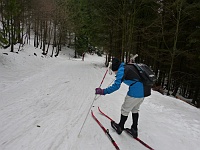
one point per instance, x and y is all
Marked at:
(45, 105)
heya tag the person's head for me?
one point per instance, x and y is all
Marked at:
(115, 64)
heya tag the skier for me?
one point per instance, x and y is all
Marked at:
(83, 55)
(134, 98)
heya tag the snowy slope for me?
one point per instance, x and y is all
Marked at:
(44, 105)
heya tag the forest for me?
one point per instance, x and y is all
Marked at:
(165, 34)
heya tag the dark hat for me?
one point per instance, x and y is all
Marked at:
(115, 64)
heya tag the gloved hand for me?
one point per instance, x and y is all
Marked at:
(99, 91)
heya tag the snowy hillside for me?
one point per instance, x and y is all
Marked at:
(44, 103)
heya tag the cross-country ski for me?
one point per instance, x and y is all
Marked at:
(106, 131)
(138, 139)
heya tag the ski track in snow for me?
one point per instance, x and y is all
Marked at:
(45, 104)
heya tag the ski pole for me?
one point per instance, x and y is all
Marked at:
(105, 73)
(94, 100)
(103, 78)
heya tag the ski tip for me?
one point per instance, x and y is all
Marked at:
(99, 109)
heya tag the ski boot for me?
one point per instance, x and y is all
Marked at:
(116, 127)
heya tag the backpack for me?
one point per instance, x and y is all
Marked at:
(147, 76)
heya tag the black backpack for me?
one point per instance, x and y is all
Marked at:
(147, 76)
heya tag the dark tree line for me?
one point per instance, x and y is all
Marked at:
(47, 20)
(165, 34)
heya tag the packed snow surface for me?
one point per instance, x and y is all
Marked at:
(45, 104)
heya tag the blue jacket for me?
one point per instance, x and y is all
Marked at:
(127, 74)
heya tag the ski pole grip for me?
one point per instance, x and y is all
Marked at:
(136, 55)
(109, 64)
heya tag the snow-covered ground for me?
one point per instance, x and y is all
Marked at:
(45, 105)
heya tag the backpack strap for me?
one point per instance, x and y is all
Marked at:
(134, 82)
(138, 68)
